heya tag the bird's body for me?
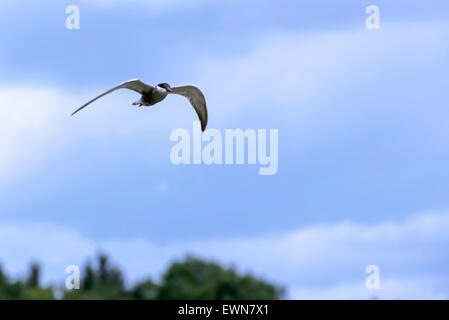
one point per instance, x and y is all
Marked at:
(152, 95)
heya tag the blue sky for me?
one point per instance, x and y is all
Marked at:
(363, 140)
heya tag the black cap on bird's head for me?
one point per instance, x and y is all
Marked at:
(166, 86)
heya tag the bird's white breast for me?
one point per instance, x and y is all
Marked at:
(159, 93)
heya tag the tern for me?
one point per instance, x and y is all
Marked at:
(152, 95)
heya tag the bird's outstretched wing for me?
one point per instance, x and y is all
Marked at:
(197, 100)
(134, 84)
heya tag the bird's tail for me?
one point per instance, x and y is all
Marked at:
(136, 103)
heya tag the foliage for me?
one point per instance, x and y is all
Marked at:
(197, 279)
(191, 278)
(27, 290)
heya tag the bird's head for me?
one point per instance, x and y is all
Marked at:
(165, 86)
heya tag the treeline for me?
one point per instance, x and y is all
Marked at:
(191, 278)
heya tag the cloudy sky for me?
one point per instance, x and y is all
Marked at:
(363, 141)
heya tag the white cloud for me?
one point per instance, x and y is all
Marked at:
(290, 71)
(35, 122)
(161, 6)
(400, 287)
(316, 262)
(26, 123)
(286, 72)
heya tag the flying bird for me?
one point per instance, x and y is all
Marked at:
(152, 95)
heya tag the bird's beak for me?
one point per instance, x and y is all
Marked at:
(169, 90)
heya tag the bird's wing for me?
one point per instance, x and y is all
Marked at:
(197, 100)
(135, 85)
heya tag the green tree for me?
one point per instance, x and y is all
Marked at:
(31, 290)
(190, 278)
(34, 276)
(28, 290)
(197, 279)
(145, 290)
(8, 290)
(105, 282)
